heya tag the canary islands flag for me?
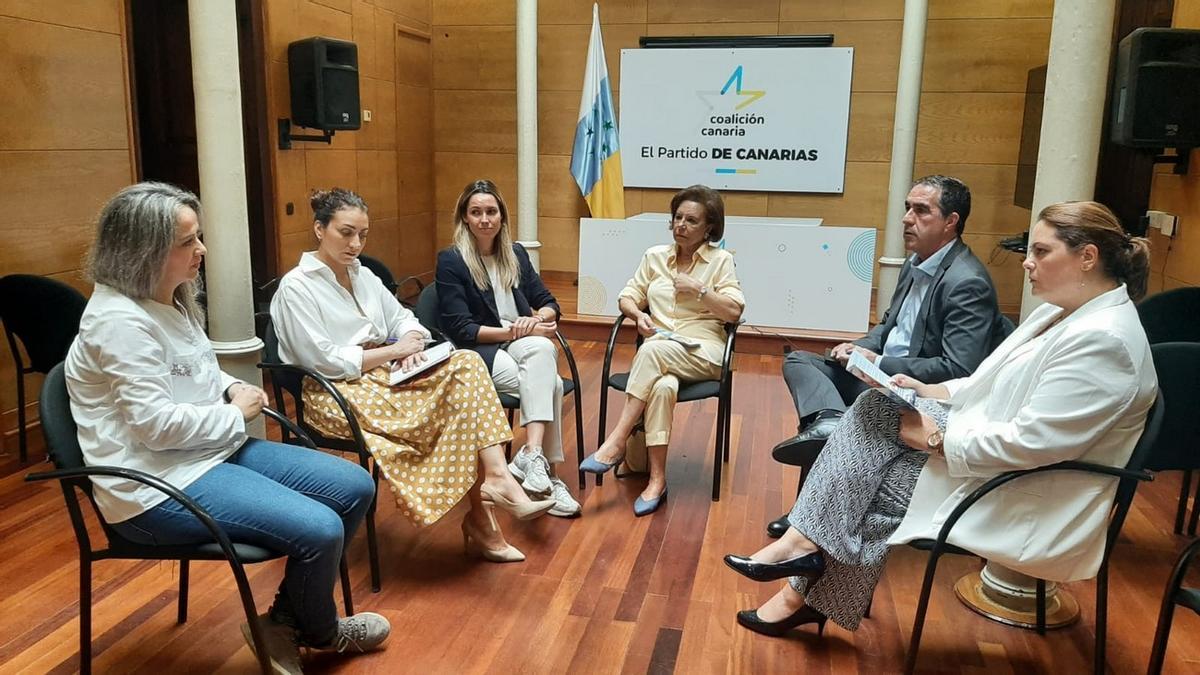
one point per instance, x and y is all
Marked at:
(596, 158)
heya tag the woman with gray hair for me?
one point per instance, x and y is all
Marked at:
(147, 393)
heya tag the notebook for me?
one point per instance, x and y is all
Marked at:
(860, 363)
(433, 356)
(685, 341)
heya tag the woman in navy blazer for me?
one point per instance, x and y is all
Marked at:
(493, 301)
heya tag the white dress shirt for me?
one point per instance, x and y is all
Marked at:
(146, 394)
(899, 339)
(322, 326)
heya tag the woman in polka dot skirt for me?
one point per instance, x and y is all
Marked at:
(437, 437)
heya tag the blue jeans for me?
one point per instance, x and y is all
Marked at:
(300, 502)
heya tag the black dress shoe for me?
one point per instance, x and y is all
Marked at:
(810, 566)
(778, 527)
(749, 619)
(803, 448)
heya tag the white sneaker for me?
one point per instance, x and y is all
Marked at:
(565, 505)
(281, 643)
(532, 469)
(359, 633)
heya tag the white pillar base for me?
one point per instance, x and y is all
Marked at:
(1010, 598)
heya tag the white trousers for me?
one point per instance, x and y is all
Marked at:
(528, 369)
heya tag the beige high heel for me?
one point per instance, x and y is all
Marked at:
(473, 543)
(519, 510)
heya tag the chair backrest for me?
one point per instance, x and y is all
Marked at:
(385, 275)
(1178, 368)
(58, 425)
(1170, 316)
(427, 310)
(44, 313)
(289, 382)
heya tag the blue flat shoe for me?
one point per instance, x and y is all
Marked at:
(644, 507)
(592, 465)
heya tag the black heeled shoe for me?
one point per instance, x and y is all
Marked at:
(810, 566)
(749, 619)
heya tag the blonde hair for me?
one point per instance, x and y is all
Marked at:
(1124, 258)
(507, 269)
(134, 234)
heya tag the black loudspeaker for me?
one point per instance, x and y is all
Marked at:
(323, 74)
(1156, 95)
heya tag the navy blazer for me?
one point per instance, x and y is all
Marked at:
(465, 308)
(958, 326)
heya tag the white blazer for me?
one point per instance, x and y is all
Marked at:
(1080, 391)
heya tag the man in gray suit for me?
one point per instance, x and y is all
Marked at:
(942, 322)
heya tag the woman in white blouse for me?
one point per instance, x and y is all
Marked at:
(492, 301)
(1073, 382)
(147, 394)
(687, 289)
(436, 437)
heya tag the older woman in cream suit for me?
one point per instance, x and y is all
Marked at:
(1075, 381)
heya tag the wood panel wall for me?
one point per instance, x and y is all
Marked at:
(1176, 261)
(977, 57)
(389, 161)
(64, 146)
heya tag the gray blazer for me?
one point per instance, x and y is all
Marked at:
(959, 323)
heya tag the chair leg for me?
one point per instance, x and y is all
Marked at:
(603, 424)
(579, 433)
(347, 598)
(914, 643)
(183, 591)
(728, 416)
(256, 634)
(22, 441)
(373, 544)
(1185, 488)
(1041, 606)
(1101, 618)
(867, 614)
(717, 450)
(508, 445)
(1162, 634)
(85, 614)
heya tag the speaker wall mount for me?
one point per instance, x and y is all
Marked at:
(323, 88)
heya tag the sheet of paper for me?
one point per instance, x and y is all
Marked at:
(860, 363)
(433, 356)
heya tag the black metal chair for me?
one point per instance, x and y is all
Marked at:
(289, 378)
(1179, 446)
(1129, 476)
(381, 270)
(62, 444)
(1175, 594)
(721, 389)
(428, 313)
(1170, 316)
(44, 314)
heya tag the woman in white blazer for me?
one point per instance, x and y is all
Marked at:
(1074, 382)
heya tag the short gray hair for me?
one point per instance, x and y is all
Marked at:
(134, 234)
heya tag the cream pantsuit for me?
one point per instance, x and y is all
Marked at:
(528, 369)
(658, 368)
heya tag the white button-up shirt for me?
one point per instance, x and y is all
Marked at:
(147, 394)
(322, 326)
(900, 337)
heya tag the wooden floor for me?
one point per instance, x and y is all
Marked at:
(606, 593)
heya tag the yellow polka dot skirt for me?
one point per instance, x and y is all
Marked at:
(425, 434)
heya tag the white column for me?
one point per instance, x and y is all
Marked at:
(216, 81)
(1073, 112)
(1072, 117)
(527, 132)
(904, 148)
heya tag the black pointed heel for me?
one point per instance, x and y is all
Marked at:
(810, 566)
(749, 619)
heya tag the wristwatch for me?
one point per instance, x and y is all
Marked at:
(703, 290)
(935, 441)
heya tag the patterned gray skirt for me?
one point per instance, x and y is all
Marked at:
(854, 499)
